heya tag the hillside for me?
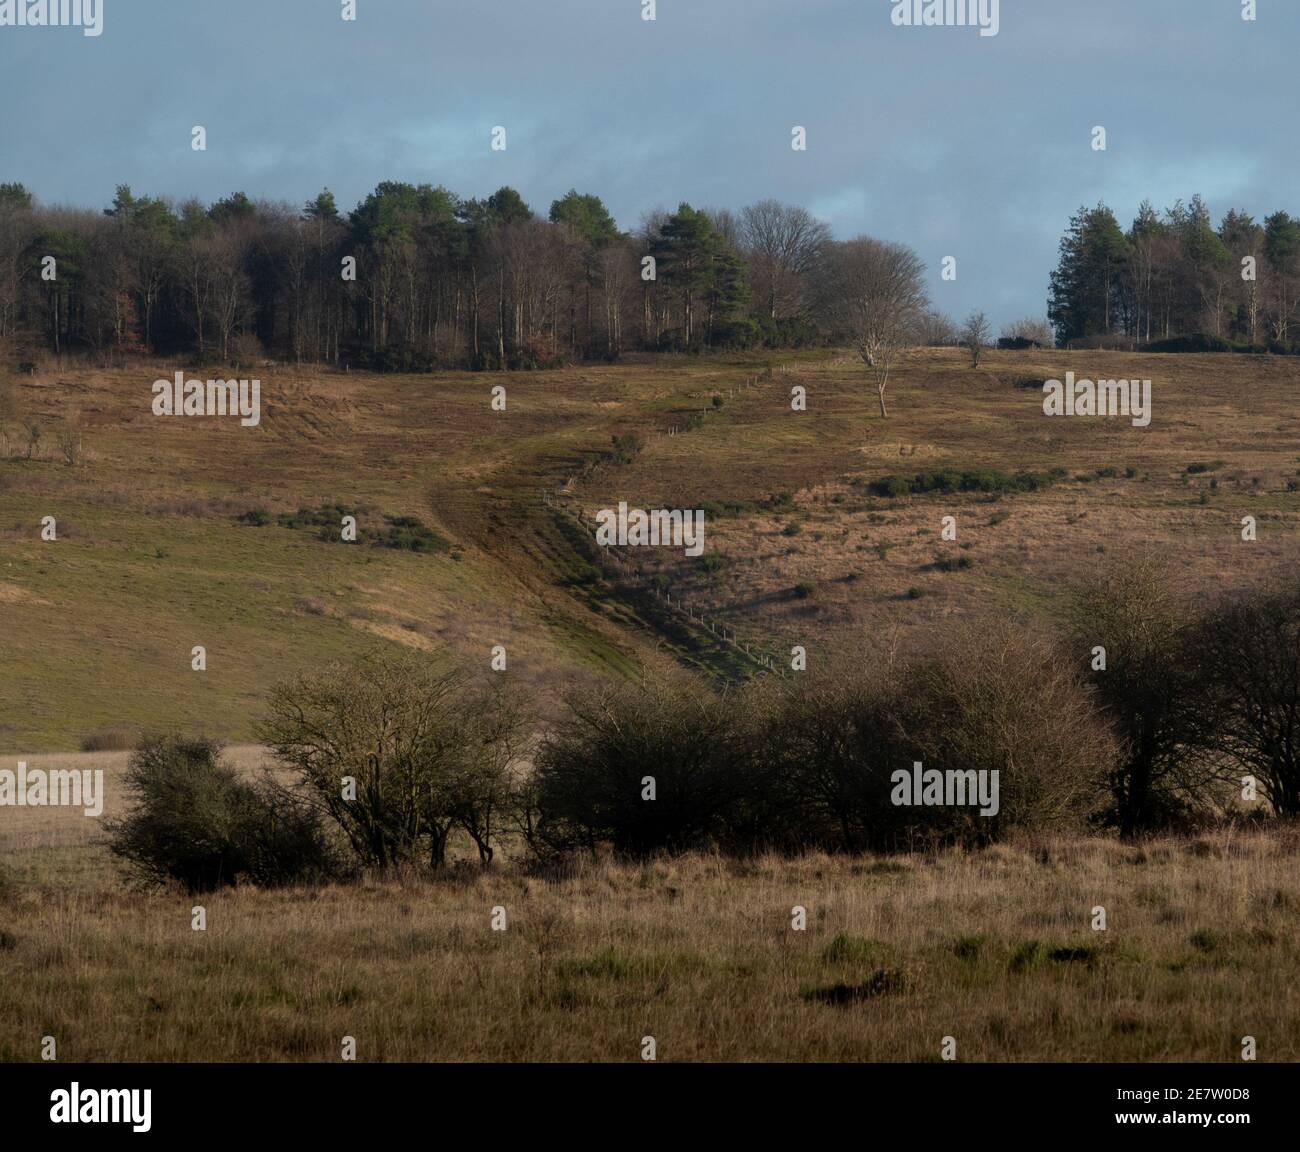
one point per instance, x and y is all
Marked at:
(153, 558)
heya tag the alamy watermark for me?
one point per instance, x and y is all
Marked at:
(58, 788)
(78, 1105)
(1099, 398)
(929, 787)
(638, 528)
(981, 14)
(88, 15)
(181, 397)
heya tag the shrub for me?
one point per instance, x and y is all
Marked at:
(1198, 342)
(108, 740)
(409, 533)
(430, 750)
(953, 564)
(595, 766)
(971, 480)
(882, 982)
(196, 822)
(625, 448)
(406, 533)
(997, 700)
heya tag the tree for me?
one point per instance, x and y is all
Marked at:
(1137, 639)
(1029, 330)
(1250, 651)
(974, 335)
(935, 329)
(1282, 265)
(684, 251)
(1243, 238)
(783, 244)
(16, 231)
(426, 749)
(871, 292)
(1086, 298)
(590, 220)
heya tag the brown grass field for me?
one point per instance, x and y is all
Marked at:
(995, 948)
(150, 561)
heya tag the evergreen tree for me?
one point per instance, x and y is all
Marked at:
(1086, 288)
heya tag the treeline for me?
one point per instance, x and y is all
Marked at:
(1144, 715)
(417, 277)
(414, 277)
(1174, 274)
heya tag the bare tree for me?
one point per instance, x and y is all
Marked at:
(871, 292)
(935, 329)
(974, 335)
(227, 254)
(70, 441)
(1251, 655)
(1031, 329)
(783, 244)
(426, 748)
(34, 433)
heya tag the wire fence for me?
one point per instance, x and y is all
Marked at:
(561, 500)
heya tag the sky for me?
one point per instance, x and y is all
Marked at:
(975, 147)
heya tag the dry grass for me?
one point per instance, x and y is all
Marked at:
(995, 949)
(151, 562)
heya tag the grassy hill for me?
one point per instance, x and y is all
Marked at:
(154, 554)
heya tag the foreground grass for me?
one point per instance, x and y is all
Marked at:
(995, 949)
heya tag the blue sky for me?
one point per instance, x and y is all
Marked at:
(962, 145)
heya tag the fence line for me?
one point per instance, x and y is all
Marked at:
(716, 628)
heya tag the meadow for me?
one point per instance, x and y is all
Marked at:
(995, 948)
(152, 557)
(170, 535)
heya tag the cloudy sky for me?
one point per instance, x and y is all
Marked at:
(960, 145)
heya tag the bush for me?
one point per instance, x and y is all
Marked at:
(997, 700)
(1197, 342)
(595, 767)
(108, 740)
(970, 480)
(953, 564)
(405, 533)
(196, 822)
(625, 448)
(429, 748)
(1152, 691)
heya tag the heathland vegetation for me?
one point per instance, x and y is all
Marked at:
(1145, 716)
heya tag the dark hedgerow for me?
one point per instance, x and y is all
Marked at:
(971, 480)
(404, 533)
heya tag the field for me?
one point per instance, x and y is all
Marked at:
(155, 554)
(152, 560)
(995, 949)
